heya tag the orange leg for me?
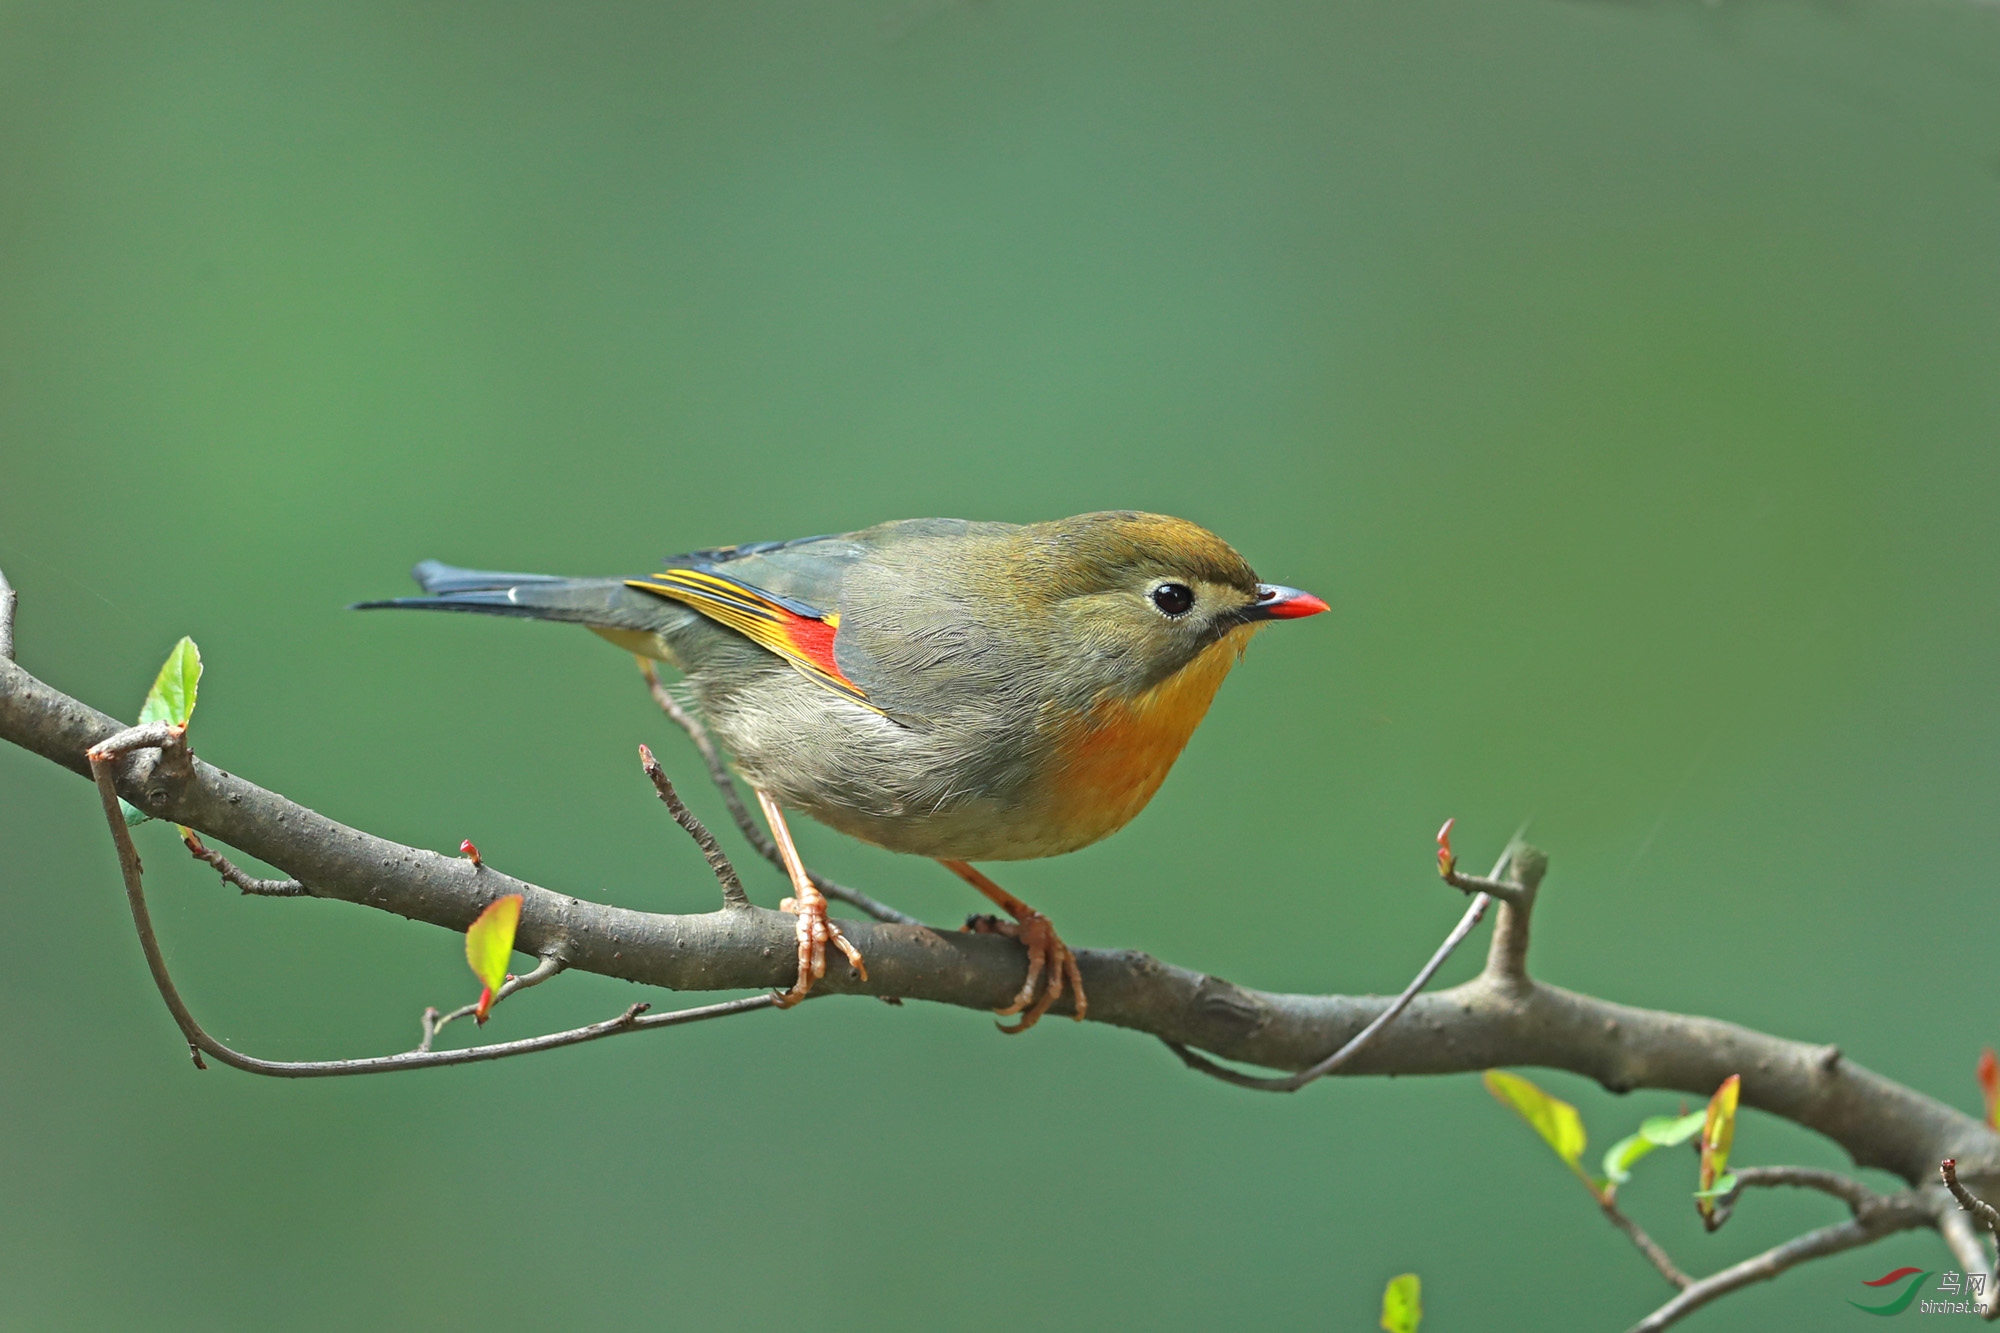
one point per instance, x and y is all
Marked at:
(816, 928)
(1047, 954)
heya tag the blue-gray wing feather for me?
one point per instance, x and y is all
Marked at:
(810, 574)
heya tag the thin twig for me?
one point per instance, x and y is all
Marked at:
(1490, 885)
(1647, 1246)
(1899, 1213)
(1354, 1045)
(1967, 1243)
(1965, 1232)
(718, 773)
(1853, 1193)
(1857, 1196)
(169, 738)
(725, 873)
(9, 601)
(102, 758)
(434, 1021)
(1966, 1237)
(249, 884)
(1989, 1217)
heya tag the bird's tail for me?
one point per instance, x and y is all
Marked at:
(598, 603)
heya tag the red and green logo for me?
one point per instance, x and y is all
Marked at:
(1913, 1280)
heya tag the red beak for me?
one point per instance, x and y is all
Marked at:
(1276, 603)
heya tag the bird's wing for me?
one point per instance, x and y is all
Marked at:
(795, 630)
(787, 597)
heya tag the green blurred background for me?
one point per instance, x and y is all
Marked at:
(1624, 374)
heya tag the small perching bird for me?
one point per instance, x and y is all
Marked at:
(959, 690)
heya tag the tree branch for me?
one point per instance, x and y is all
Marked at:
(1502, 1017)
(1897, 1212)
(1489, 1021)
(1857, 1196)
(1853, 1193)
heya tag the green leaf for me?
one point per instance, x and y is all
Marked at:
(170, 700)
(1658, 1131)
(1551, 1117)
(1718, 1134)
(1665, 1131)
(489, 944)
(1402, 1304)
(1620, 1156)
(1725, 1183)
(172, 697)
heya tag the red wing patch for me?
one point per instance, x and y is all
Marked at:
(812, 639)
(806, 641)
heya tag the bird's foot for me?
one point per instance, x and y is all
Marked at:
(816, 928)
(815, 931)
(1048, 958)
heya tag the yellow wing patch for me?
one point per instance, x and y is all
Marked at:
(806, 641)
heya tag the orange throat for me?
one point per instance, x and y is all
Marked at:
(1119, 752)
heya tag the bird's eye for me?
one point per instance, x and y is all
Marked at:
(1173, 599)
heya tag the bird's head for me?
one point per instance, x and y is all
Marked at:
(1137, 597)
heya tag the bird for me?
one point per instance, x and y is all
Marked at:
(961, 690)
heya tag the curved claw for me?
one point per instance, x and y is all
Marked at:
(815, 930)
(1047, 955)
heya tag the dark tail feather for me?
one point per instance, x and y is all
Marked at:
(600, 602)
(440, 579)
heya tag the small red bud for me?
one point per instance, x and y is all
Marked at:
(467, 850)
(1446, 861)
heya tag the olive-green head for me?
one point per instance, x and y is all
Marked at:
(1143, 595)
